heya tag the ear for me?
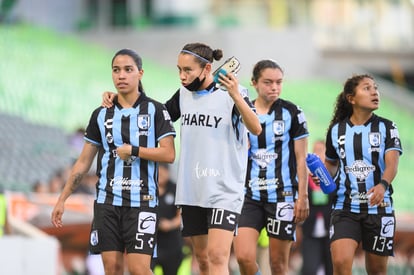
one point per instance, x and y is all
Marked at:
(140, 73)
(208, 68)
(350, 99)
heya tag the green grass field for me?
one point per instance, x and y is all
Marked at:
(57, 80)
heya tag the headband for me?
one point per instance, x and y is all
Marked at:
(196, 55)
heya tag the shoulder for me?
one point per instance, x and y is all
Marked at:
(149, 100)
(384, 120)
(101, 109)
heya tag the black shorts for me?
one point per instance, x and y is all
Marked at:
(198, 220)
(277, 218)
(117, 228)
(375, 231)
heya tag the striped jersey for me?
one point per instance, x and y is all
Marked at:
(271, 172)
(360, 150)
(131, 183)
(213, 153)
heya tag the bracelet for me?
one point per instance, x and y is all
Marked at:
(385, 184)
(135, 151)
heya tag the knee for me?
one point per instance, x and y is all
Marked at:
(202, 260)
(113, 267)
(278, 267)
(218, 256)
(245, 257)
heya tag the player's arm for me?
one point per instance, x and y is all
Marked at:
(302, 203)
(249, 117)
(165, 152)
(79, 169)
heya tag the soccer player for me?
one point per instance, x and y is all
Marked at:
(130, 138)
(213, 154)
(362, 151)
(276, 183)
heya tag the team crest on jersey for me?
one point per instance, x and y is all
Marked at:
(278, 127)
(144, 122)
(375, 139)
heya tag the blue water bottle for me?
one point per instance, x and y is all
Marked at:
(318, 169)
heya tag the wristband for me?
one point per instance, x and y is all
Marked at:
(135, 151)
(385, 184)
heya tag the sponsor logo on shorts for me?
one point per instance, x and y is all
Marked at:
(387, 226)
(147, 222)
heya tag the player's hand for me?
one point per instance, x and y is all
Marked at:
(315, 179)
(124, 151)
(57, 213)
(230, 82)
(375, 195)
(301, 209)
(108, 99)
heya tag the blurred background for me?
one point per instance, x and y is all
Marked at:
(56, 63)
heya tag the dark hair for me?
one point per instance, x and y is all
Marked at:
(137, 59)
(264, 64)
(203, 51)
(343, 108)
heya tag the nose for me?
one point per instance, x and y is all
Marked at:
(182, 75)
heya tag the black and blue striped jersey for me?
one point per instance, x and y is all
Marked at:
(131, 183)
(271, 172)
(360, 150)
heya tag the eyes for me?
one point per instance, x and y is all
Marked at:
(268, 82)
(185, 70)
(127, 69)
(369, 88)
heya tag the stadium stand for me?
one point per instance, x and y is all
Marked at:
(30, 152)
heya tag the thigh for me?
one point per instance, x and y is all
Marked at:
(245, 242)
(219, 242)
(279, 250)
(105, 231)
(137, 263)
(139, 229)
(345, 225)
(194, 221)
(378, 234)
(280, 223)
(252, 215)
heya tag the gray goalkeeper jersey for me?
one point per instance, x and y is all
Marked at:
(213, 153)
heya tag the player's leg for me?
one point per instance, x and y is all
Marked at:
(245, 245)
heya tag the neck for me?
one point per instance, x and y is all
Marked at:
(360, 117)
(128, 100)
(262, 106)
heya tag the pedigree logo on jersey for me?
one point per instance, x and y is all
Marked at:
(263, 158)
(144, 122)
(360, 169)
(278, 127)
(375, 139)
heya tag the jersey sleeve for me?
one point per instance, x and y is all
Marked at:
(392, 140)
(330, 152)
(299, 125)
(164, 125)
(173, 106)
(92, 133)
